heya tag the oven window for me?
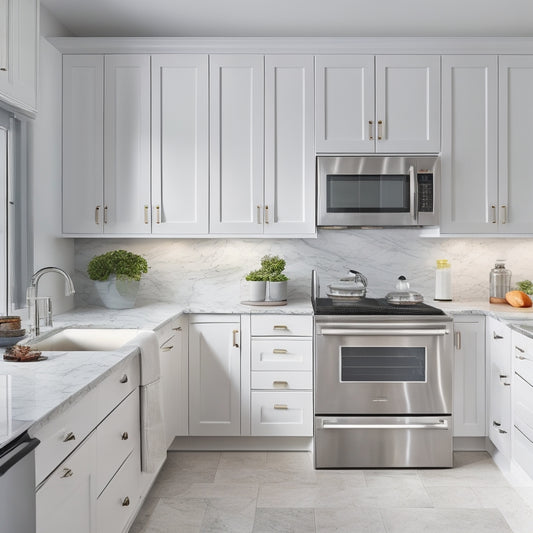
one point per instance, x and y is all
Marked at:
(387, 193)
(384, 364)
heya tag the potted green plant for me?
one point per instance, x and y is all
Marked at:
(257, 283)
(117, 275)
(525, 286)
(273, 267)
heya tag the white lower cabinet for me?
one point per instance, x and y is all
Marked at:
(66, 500)
(214, 375)
(469, 400)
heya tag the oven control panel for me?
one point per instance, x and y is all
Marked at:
(425, 193)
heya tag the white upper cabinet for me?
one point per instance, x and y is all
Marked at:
(395, 109)
(180, 144)
(515, 125)
(289, 206)
(127, 144)
(83, 143)
(469, 144)
(345, 103)
(407, 103)
(19, 38)
(236, 143)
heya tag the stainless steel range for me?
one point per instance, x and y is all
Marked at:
(383, 384)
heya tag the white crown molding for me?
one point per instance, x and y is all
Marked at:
(307, 45)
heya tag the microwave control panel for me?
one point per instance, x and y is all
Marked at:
(425, 193)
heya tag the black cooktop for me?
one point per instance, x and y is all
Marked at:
(371, 306)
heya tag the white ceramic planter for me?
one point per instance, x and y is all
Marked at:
(257, 291)
(117, 293)
(277, 291)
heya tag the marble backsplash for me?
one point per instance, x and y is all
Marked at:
(183, 270)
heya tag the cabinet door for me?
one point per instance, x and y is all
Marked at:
(469, 183)
(469, 377)
(83, 144)
(344, 103)
(516, 123)
(408, 103)
(214, 379)
(19, 52)
(180, 144)
(66, 500)
(127, 144)
(236, 143)
(289, 153)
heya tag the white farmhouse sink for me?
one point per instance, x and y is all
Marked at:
(85, 339)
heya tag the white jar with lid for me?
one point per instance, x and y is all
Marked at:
(443, 281)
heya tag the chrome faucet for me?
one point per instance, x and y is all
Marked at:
(32, 293)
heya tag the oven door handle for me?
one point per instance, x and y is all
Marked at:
(384, 332)
(441, 424)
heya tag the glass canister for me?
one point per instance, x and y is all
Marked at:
(499, 282)
(443, 281)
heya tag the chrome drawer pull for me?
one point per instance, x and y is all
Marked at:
(67, 472)
(502, 431)
(282, 327)
(441, 424)
(496, 336)
(125, 436)
(235, 343)
(177, 329)
(497, 424)
(503, 376)
(519, 349)
(124, 379)
(280, 384)
(167, 348)
(281, 406)
(125, 502)
(279, 351)
(506, 384)
(69, 436)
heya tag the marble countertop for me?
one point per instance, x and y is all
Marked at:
(32, 393)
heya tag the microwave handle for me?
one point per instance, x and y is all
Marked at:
(413, 184)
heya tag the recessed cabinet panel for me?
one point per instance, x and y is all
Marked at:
(83, 144)
(127, 144)
(236, 137)
(515, 126)
(180, 144)
(345, 103)
(469, 144)
(289, 154)
(408, 103)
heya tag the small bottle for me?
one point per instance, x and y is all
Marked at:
(443, 281)
(499, 282)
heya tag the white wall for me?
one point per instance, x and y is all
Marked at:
(182, 269)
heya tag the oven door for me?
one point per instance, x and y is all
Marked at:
(383, 367)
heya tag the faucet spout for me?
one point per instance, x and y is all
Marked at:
(33, 291)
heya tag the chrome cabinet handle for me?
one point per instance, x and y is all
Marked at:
(371, 130)
(281, 406)
(124, 379)
(282, 327)
(279, 351)
(280, 384)
(458, 340)
(3, 69)
(97, 214)
(69, 436)
(177, 329)
(146, 214)
(167, 348)
(380, 130)
(259, 214)
(504, 217)
(158, 214)
(125, 502)
(497, 424)
(502, 431)
(266, 215)
(519, 349)
(496, 336)
(125, 436)
(493, 207)
(105, 214)
(235, 343)
(67, 472)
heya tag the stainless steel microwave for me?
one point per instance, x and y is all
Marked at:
(372, 190)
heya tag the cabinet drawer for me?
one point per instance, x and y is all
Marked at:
(522, 356)
(117, 436)
(63, 434)
(282, 354)
(523, 451)
(124, 379)
(282, 325)
(116, 506)
(282, 414)
(523, 407)
(280, 380)
(169, 330)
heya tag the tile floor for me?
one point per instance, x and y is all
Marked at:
(264, 492)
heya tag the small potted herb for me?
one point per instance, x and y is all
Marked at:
(525, 286)
(117, 276)
(273, 267)
(257, 284)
